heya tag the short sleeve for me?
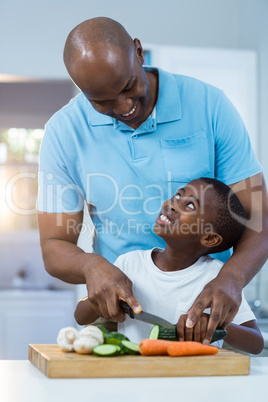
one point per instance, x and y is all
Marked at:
(244, 313)
(57, 192)
(120, 262)
(234, 157)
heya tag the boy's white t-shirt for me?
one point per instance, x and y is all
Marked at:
(168, 294)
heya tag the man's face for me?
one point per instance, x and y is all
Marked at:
(118, 87)
(188, 214)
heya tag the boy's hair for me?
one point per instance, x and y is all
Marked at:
(231, 217)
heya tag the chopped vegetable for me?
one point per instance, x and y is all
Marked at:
(130, 348)
(106, 350)
(190, 348)
(157, 347)
(154, 347)
(159, 332)
(114, 338)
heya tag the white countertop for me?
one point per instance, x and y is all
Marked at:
(20, 381)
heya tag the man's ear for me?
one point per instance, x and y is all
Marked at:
(139, 50)
(211, 240)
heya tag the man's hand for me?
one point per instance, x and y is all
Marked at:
(223, 296)
(196, 333)
(106, 285)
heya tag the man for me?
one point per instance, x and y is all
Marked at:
(124, 145)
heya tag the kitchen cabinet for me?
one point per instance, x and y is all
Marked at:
(32, 316)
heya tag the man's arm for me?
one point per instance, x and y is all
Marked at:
(223, 294)
(106, 284)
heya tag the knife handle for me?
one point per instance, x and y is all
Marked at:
(126, 308)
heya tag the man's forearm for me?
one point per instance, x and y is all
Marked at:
(248, 257)
(251, 251)
(67, 262)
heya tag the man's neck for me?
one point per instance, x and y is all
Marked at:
(172, 259)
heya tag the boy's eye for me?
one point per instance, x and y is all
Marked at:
(177, 196)
(191, 205)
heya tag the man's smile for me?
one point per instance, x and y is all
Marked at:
(131, 114)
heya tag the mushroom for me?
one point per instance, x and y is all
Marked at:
(92, 332)
(66, 338)
(85, 344)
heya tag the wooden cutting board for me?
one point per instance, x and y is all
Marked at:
(54, 363)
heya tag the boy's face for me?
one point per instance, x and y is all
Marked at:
(189, 214)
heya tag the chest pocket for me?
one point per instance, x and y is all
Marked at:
(186, 158)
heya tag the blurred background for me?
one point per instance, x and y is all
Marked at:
(222, 42)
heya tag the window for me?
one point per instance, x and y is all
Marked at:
(19, 149)
(25, 107)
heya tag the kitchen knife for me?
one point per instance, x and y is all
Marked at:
(145, 317)
(154, 319)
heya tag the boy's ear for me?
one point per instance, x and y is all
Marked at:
(211, 240)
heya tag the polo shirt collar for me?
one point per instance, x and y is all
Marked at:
(98, 119)
(168, 106)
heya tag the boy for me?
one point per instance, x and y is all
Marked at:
(202, 218)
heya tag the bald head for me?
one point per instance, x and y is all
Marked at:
(93, 39)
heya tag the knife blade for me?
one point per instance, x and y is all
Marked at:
(145, 317)
(219, 333)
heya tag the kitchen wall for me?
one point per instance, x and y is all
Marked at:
(32, 36)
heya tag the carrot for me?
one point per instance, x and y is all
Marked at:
(190, 348)
(154, 347)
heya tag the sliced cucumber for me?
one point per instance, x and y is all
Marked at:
(114, 338)
(158, 332)
(130, 348)
(154, 333)
(107, 350)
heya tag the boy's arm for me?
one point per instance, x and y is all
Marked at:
(84, 312)
(246, 337)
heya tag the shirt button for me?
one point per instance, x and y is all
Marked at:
(135, 136)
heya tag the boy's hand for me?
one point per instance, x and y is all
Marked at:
(197, 333)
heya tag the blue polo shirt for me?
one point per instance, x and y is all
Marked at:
(125, 175)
